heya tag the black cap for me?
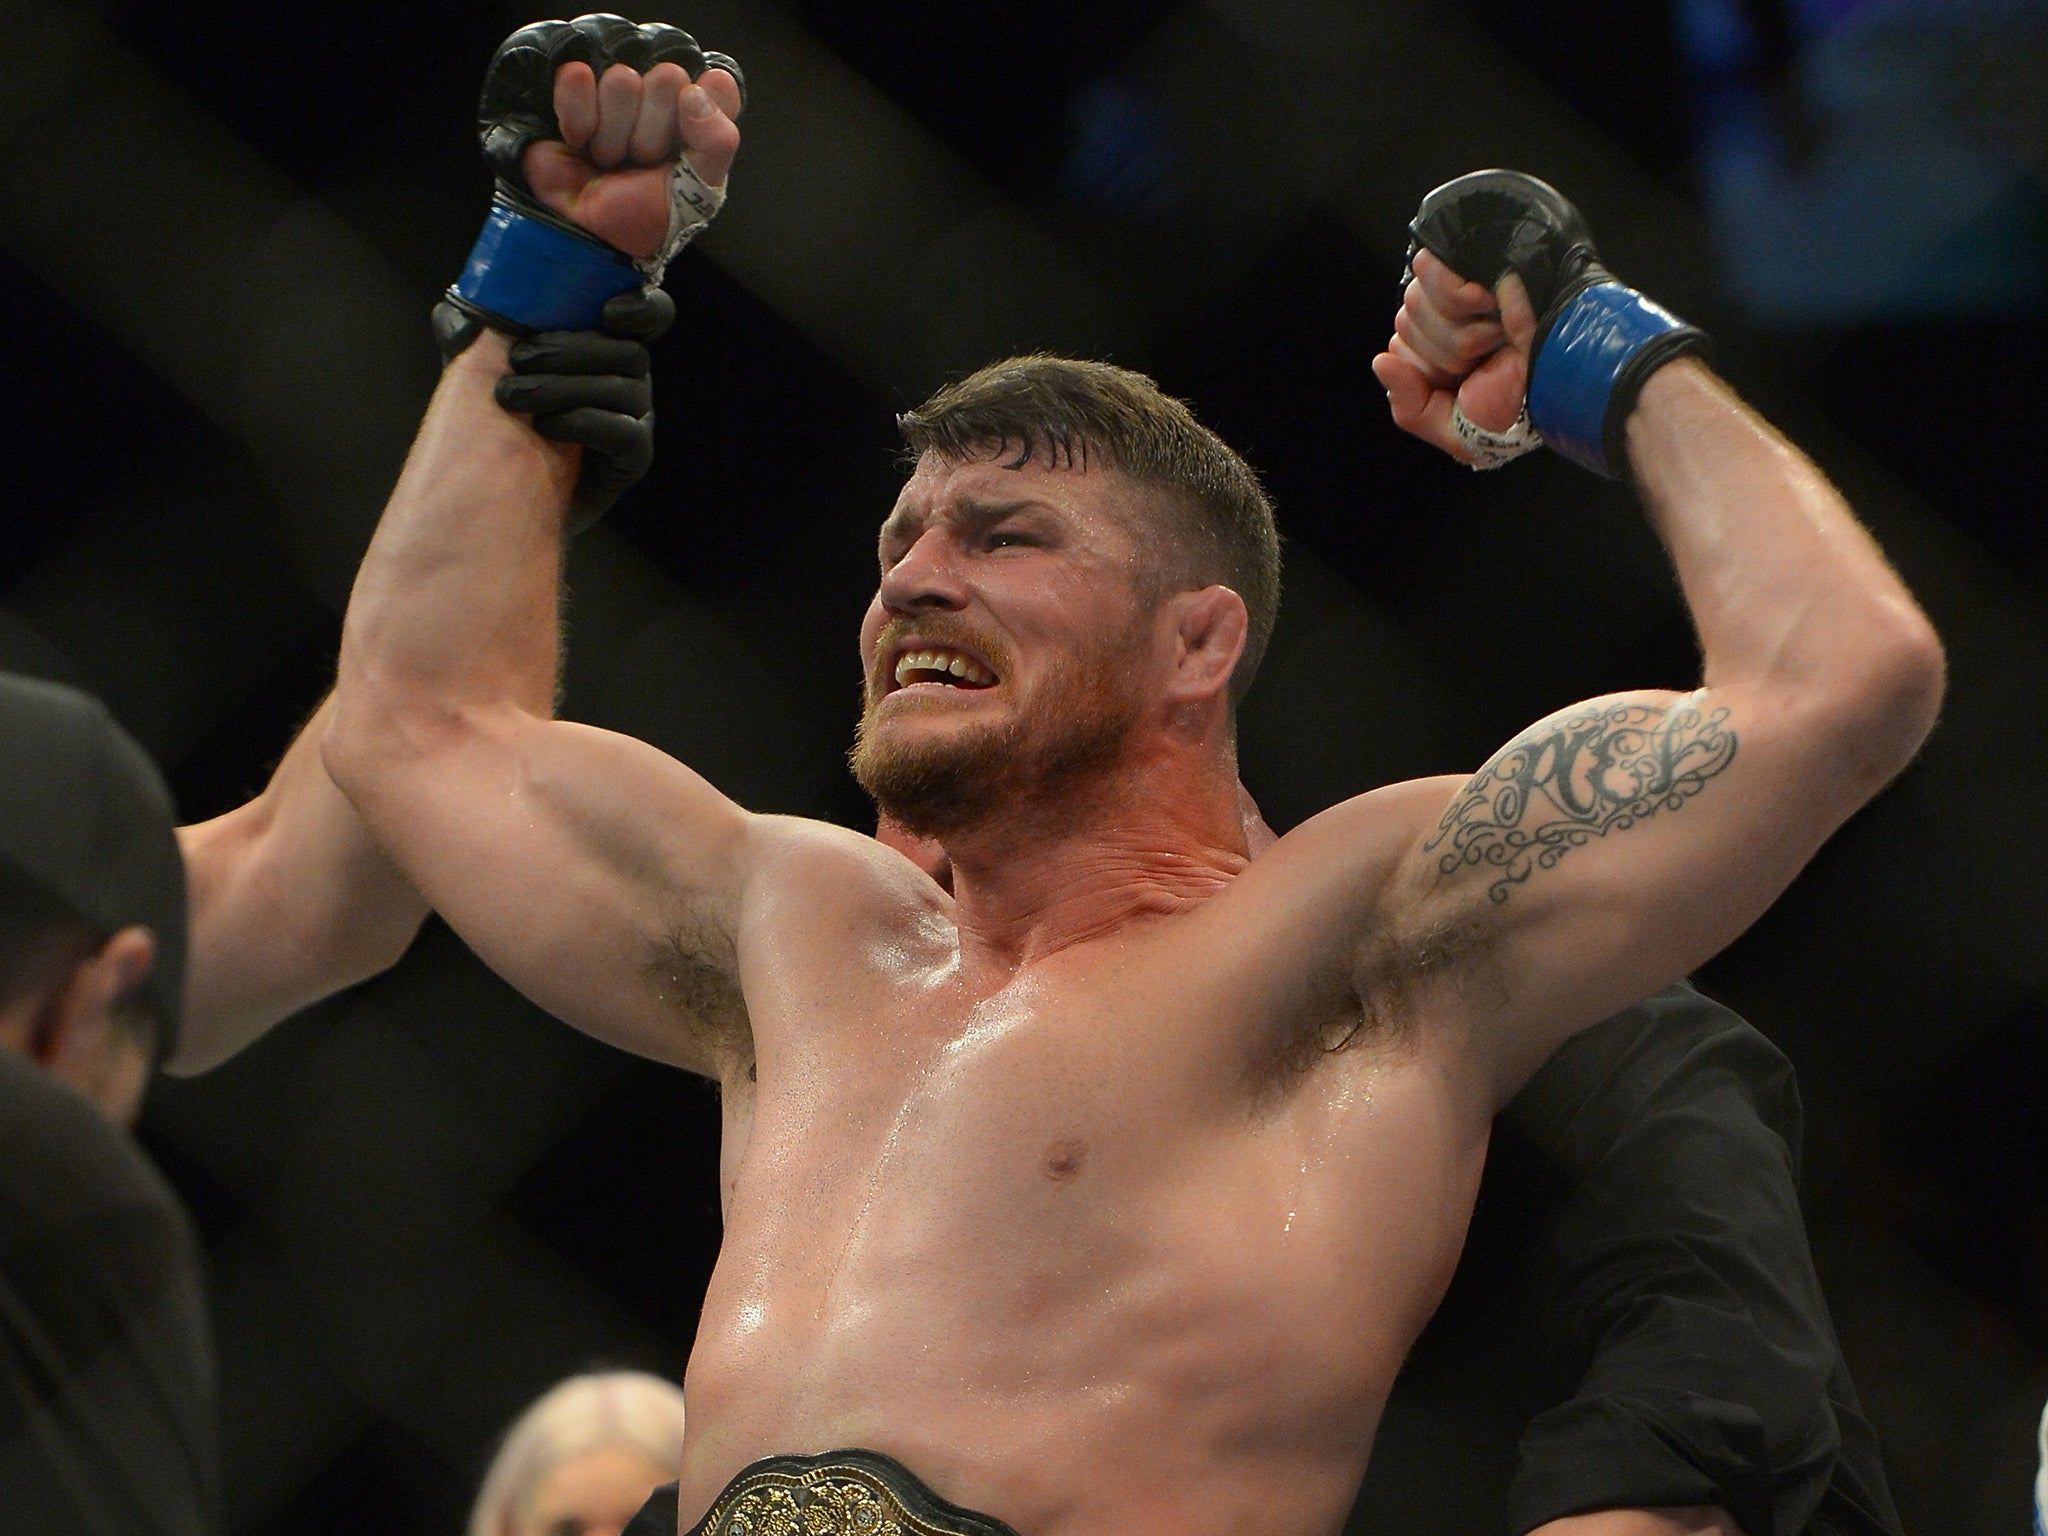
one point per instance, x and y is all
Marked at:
(87, 821)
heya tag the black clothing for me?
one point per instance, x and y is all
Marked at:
(659, 1516)
(1636, 1320)
(106, 1369)
(85, 828)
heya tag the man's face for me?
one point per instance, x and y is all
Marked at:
(1006, 650)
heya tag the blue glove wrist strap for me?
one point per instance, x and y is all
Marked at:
(531, 274)
(1585, 359)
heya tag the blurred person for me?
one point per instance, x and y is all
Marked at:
(583, 1458)
(1635, 1324)
(1109, 1187)
(106, 1391)
(2041, 1480)
(125, 944)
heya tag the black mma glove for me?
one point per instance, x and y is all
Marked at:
(531, 269)
(585, 311)
(1596, 339)
(593, 388)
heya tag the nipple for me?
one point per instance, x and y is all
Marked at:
(1063, 1159)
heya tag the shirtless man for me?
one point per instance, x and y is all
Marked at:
(1106, 1190)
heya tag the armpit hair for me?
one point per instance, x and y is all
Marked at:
(1382, 999)
(1448, 947)
(696, 972)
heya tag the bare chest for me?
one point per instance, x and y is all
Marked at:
(936, 1106)
(1054, 1155)
(992, 1224)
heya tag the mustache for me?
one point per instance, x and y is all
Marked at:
(936, 630)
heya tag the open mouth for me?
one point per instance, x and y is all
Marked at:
(941, 665)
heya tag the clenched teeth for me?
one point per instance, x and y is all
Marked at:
(940, 666)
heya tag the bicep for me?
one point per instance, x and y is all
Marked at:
(1609, 850)
(587, 868)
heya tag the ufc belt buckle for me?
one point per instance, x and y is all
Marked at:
(839, 1493)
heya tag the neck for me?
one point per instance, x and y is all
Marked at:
(1143, 839)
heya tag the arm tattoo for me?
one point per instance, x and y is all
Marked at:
(1567, 781)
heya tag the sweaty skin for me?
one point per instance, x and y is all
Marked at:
(1107, 1187)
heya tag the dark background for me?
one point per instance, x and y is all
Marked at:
(220, 233)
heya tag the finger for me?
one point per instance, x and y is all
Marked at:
(1423, 323)
(627, 442)
(551, 394)
(1438, 377)
(710, 138)
(1406, 386)
(639, 314)
(1457, 345)
(1417, 408)
(1518, 315)
(618, 109)
(1456, 297)
(654, 132)
(556, 173)
(576, 104)
(724, 90)
(1461, 330)
(1492, 397)
(579, 352)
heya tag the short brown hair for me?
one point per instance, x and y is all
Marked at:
(1217, 514)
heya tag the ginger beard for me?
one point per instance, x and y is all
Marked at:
(1050, 749)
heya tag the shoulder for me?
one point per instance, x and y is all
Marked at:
(1306, 946)
(800, 867)
(1334, 878)
(1359, 840)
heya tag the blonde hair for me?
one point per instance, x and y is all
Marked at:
(631, 1409)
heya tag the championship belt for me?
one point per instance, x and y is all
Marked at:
(840, 1493)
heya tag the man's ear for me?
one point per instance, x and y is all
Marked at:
(1210, 628)
(76, 1038)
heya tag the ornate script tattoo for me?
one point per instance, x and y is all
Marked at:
(1567, 781)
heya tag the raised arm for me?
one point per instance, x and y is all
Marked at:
(1613, 847)
(291, 899)
(598, 875)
